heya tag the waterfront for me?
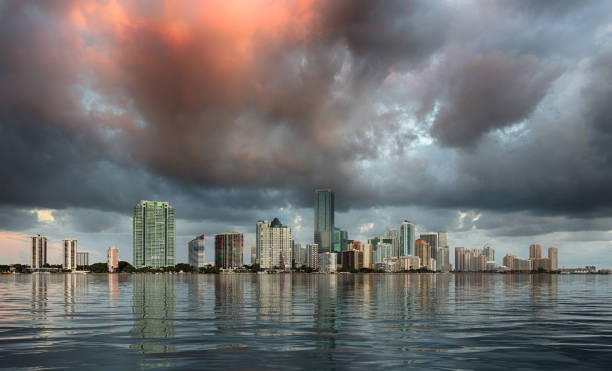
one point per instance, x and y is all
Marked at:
(245, 321)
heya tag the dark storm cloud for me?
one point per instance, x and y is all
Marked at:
(222, 113)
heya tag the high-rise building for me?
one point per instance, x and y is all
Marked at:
(274, 245)
(39, 251)
(443, 259)
(112, 258)
(299, 254)
(312, 255)
(442, 241)
(535, 251)
(553, 255)
(467, 260)
(366, 248)
(195, 249)
(324, 200)
(521, 265)
(410, 262)
(407, 237)
(540, 264)
(383, 251)
(82, 258)
(327, 262)
(154, 234)
(352, 260)
(229, 248)
(394, 235)
(423, 251)
(508, 261)
(432, 239)
(340, 242)
(489, 252)
(69, 247)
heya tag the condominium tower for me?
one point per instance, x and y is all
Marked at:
(324, 219)
(273, 244)
(423, 250)
(112, 258)
(407, 237)
(229, 248)
(535, 251)
(39, 251)
(195, 250)
(553, 255)
(69, 247)
(154, 234)
(432, 239)
(82, 258)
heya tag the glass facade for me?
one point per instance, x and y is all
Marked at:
(407, 237)
(154, 234)
(324, 219)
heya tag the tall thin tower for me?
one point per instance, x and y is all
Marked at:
(324, 219)
(154, 234)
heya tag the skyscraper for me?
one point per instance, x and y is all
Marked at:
(274, 244)
(154, 234)
(432, 239)
(112, 258)
(324, 219)
(442, 241)
(69, 247)
(489, 252)
(553, 255)
(39, 251)
(195, 249)
(423, 251)
(407, 236)
(229, 247)
(443, 259)
(535, 251)
(394, 235)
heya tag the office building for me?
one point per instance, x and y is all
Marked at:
(39, 252)
(352, 260)
(69, 247)
(535, 251)
(489, 252)
(82, 258)
(423, 251)
(553, 255)
(312, 255)
(432, 239)
(195, 250)
(443, 259)
(229, 248)
(112, 259)
(274, 245)
(324, 219)
(407, 238)
(299, 254)
(327, 262)
(393, 235)
(154, 234)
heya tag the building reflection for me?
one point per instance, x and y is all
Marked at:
(40, 299)
(75, 284)
(328, 306)
(153, 309)
(228, 301)
(113, 289)
(274, 301)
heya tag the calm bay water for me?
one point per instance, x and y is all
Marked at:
(301, 321)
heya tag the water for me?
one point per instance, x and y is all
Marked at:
(301, 321)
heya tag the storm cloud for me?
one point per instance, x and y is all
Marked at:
(231, 110)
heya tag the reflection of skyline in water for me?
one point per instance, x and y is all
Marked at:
(308, 321)
(153, 309)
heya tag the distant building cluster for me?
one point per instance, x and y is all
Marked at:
(397, 249)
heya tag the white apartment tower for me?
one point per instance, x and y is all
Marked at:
(39, 251)
(70, 253)
(273, 244)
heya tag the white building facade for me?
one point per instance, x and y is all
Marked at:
(70, 253)
(274, 245)
(196, 252)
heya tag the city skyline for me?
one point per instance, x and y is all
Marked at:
(496, 137)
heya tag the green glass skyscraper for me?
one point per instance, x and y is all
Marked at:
(324, 219)
(153, 234)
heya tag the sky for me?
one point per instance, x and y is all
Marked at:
(490, 120)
